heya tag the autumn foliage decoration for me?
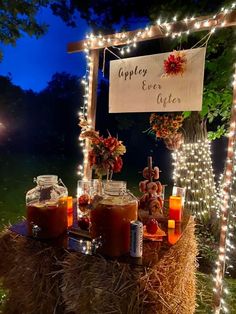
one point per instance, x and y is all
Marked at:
(105, 153)
(168, 128)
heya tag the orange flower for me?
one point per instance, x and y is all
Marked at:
(175, 125)
(165, 125)
(179, 118)
(155, 127)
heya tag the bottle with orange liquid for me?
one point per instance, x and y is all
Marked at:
(111, 216)
(46, 210)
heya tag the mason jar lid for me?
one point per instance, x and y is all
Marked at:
(115, 187)
(47, 179)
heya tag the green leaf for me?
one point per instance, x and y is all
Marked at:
(186, 114)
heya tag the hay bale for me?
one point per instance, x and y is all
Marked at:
(42, 279)
(169, 286)
(26, 268)
(94, 285)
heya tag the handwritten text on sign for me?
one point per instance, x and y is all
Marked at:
(140, 85)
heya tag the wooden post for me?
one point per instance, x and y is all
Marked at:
(92, 105)
(227, 184)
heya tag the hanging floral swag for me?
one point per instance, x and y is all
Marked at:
(167, 127)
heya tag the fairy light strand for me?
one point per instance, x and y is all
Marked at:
(130, 42)
(190, 164)
(227, 210)
(166, 28)
(84, 111)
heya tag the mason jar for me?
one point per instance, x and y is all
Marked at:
(46, 206)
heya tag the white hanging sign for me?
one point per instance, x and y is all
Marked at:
(142, 84)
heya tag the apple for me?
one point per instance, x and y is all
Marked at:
(152, 226)
(83, 200)
(83, 223)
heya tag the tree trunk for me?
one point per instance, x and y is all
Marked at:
(194, 128)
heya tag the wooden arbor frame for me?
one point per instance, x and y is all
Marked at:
(94, 44)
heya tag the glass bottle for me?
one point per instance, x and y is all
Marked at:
(84, 188)
(47, 207)
(110, 217)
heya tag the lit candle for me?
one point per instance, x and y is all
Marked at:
(175, 202)
(171, 224)
(174, 234)
(69, 211)
(175, 208)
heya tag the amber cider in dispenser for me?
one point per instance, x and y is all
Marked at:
(46, 208)
(111, 216)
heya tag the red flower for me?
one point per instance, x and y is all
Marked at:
(175, 64)
(92, 158)
(117, 166)
(97, 141)
(111, 143)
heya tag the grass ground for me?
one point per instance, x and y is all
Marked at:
(17, 173)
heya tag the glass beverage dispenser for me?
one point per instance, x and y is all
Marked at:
(110, 216)
(47, 207)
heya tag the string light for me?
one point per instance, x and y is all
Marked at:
(83, 113)
(200, 203)
(189, 164)
(130, 42)
(188, 24)
(227, 214)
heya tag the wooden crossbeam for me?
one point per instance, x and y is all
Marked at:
(155, 32)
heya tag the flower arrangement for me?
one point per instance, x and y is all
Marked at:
(176, 63)
(167, 127)
(105, 153)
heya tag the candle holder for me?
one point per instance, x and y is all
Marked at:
(178, 191)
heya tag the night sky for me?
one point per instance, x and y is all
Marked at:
(32, 62)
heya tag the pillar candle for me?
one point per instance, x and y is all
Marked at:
(175, 202)
(69, 211)
(175, 208)
(171, 224)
